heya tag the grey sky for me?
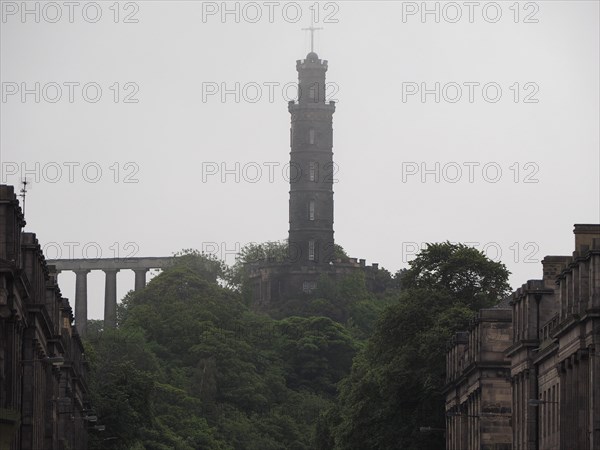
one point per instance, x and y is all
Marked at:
(171, 57)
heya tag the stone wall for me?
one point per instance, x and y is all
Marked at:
(43, 392)
(478, 394)
(553, 357)
(274, 282)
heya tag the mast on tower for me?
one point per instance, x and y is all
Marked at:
(23, 192)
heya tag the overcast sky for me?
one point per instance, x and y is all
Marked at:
(127, 140)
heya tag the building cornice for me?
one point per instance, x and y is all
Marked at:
(521, 344)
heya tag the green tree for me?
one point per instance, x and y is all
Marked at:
(270, 251)
(191, 366)
(463, 272)
(396, 382)
(317, 352)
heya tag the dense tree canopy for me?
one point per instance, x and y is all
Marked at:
(463, 272)
(191, 366)
(395, 386)
(355, 365)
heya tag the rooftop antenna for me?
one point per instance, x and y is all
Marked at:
(23, 192)
(312, 30)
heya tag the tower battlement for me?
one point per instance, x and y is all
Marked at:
(312, 61)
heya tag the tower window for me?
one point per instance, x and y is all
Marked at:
(311, 210)
(312, 92)
(311, 250)
(309, 286)
(311, 136)
(312, 171)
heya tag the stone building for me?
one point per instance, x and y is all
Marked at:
(553, 357)
(311, 244)
(43, 392)
(478, 392)
(533, 304)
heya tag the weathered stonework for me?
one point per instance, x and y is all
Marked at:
(554, 359)
(274, 282)
(110, 267)
(478, 396)
(42, 365)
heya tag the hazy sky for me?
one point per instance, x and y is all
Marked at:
(140, 103)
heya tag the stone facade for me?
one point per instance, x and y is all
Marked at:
(43, 391)
(478, 394)
(273, 282)
(553, 355)
(533, 304)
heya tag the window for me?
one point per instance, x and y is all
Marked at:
(311, 137)
(311, 250)
(554, 398)
(312, 171)
(312, 92)
(311, 210)
(544, 409)
(309, 286)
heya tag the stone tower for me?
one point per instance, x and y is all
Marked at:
(311, 167)
(311, 246)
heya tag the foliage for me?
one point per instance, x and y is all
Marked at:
(208, 266)
(191, 367)
(356, 364)
(270, 251)
(317, 353)
(463, 272)
(348, 301)
(395, 386)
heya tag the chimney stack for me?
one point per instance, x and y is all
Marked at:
(585, 235)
